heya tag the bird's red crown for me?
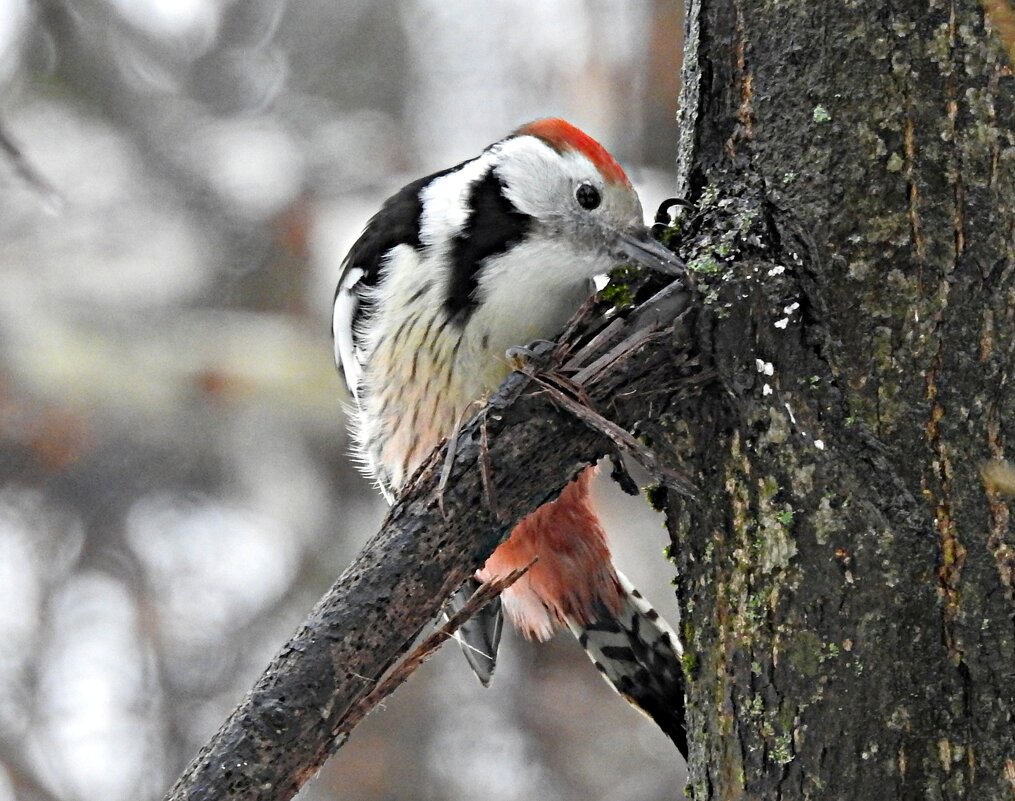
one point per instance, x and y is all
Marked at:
(563, 136)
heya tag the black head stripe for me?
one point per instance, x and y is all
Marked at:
(494, 226)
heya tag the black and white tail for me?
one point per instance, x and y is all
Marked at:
(639, 655)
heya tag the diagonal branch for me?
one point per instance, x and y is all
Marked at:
(521, 449)
(480, 598)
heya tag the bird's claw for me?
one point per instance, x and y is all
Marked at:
(522, 356)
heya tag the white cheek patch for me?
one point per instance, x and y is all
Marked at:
(532, 171)
(541, 183)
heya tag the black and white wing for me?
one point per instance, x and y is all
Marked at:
(397, 223)
(343, 324)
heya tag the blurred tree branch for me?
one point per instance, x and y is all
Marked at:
(27, 171)
(292, 719)
(23, 778)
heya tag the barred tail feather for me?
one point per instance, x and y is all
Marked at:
(639, 655)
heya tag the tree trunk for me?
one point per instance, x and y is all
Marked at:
(846, 578)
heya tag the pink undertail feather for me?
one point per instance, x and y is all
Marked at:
(575, 584)
(573, 577)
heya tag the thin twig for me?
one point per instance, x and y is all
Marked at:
(578, 319)
(659, 308)
(560, 381)
(595, 344)
(591, 373)
(480, 598)
(620, 437)
(449, 456)
(484, 469)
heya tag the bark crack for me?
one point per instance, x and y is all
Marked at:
(951, 115)
(952, 551)
(745, 112)
(913, 191)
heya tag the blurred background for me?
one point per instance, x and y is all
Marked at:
(175, 491)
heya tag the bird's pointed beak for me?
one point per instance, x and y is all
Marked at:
(638, 247)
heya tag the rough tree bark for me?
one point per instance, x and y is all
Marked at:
(846, 580)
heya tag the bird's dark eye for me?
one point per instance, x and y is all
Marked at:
(587, 196)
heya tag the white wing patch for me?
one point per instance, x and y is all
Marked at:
(446, 201)
(346, 304)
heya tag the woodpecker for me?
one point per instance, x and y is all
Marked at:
(455, 269)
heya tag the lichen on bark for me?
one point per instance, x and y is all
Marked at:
(845, 579)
